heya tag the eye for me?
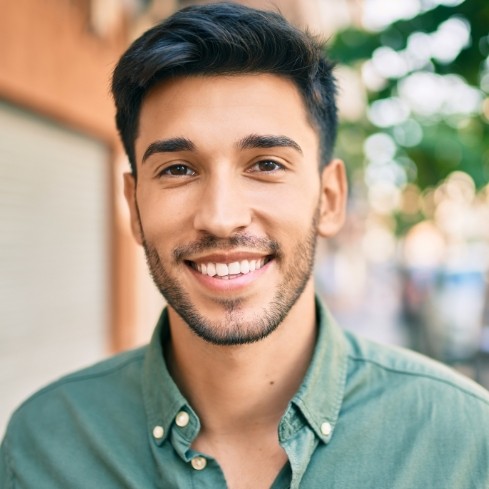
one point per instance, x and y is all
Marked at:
(178, 170)
(266, 166)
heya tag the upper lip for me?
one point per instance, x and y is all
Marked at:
(228, 257)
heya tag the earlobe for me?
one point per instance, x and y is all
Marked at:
(130, 194)
(334, 190)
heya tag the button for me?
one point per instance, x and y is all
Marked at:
(199, 463)
(326, 428)
(158, 432)
(182, 419)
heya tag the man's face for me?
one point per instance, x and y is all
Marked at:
(227, 201)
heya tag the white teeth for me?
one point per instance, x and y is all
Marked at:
(222, 269)
(225, 270)
(234, 268)
(245, 266)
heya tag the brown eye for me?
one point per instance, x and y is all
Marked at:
(267, 166)
(178, 171)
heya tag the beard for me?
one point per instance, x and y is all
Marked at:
(236, 327)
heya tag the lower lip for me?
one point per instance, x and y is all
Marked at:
(232, 284)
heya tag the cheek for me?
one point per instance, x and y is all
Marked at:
(288, 214)
(162, 216)
(299, 199)
(283, 211)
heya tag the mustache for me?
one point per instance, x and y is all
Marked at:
(212, 243)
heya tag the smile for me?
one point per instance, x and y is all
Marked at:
(228, 271)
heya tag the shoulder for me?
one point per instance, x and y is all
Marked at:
(63, 428)
(403, 402)
(118, 365)
(104, 382)
(407, 373)
(428, 424)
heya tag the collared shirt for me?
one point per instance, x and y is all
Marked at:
(365, 416)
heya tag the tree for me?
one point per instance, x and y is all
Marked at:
(427, 86)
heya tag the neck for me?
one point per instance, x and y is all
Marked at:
(245, 386)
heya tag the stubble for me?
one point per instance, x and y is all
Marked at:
(236, 326)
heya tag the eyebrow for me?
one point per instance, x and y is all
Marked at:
(252, 141)
(268, 141)
(170, 145)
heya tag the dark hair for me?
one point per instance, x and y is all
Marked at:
(225, 39)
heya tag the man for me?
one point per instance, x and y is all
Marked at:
(228, 118)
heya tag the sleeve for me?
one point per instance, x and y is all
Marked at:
(6, 471)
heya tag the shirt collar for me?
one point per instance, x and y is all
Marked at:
(162, 398)
(321, 393)
(318, 399)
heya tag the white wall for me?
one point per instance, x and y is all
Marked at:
(54, 256)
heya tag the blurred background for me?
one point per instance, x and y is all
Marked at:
(410, 267)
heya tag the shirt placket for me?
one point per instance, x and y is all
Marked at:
(299, 442)
(204, 471)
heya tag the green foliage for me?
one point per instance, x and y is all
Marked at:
(449, 141)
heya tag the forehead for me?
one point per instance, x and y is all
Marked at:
(239, 89)
(224, 108)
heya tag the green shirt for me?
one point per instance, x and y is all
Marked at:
(365, 416)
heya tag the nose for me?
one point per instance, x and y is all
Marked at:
(224, 208)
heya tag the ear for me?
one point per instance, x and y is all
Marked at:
(334, 191)
(130, 194)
